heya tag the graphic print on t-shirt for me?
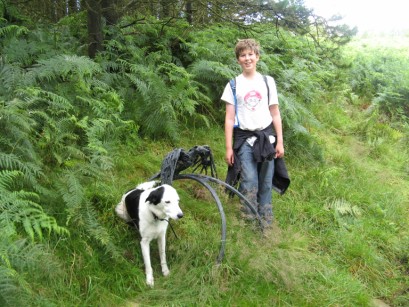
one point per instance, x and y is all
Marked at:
(252, 100)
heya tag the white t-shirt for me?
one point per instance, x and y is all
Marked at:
(252, 112)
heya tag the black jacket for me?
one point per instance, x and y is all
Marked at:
(262, 150)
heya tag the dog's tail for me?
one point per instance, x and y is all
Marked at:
(120, 210)
(147, 185)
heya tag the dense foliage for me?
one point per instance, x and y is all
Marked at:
(78, 131)
(380, 75)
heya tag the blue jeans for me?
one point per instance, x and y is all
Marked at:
(256, 182)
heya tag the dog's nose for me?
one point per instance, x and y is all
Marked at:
(180, 215)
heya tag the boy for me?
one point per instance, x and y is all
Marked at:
(249, 135)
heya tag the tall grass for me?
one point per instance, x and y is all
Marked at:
(340, 238)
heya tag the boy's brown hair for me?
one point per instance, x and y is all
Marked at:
(247, 43)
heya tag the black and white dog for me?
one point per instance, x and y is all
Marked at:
(149, 207)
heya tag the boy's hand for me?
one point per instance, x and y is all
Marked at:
(229, 157)
(279, 150)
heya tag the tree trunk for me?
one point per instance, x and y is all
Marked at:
(72, 6)
(109, 11)
(165, 8)
(189, 12)
(95, 37)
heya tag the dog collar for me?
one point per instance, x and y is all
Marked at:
(157, 217)
(171, 227)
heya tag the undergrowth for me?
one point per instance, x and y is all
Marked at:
(340, 237)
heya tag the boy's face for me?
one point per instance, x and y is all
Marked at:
(248, 60)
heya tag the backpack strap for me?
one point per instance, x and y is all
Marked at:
(268, 89)
(233, 88)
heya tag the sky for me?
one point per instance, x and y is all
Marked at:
(368, 15)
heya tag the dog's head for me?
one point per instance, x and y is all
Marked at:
(165, 201)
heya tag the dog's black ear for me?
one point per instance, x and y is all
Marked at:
(156, 195)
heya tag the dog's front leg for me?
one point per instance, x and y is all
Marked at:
(162, 253)
(147, 261)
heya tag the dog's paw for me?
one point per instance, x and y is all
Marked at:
(165, 269)
(149, 281)
(166, 272)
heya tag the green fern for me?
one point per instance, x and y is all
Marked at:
(37, 97)
(21, 209)
(166, 95)
(344, 212)
(66, 67)
(14, 289)
(22, 263)
(7, 178)
(98, 232)
(81, 214)
(16, 125)
(212, 71)
(11, 76)
(11, 162)
(12, 30)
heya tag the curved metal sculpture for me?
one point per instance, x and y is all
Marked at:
(200, 157)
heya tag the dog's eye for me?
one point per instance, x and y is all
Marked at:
(167, 201)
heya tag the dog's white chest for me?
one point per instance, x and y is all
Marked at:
(153, 229)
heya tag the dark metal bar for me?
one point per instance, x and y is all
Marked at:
(203, 180)
(219, 206)
(231, 189)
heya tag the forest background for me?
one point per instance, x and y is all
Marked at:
(95, 93)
